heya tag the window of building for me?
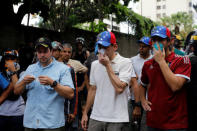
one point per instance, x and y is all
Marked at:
(190, 12)
(116, 28)
(158, 0)
(190, 4)
(158, 15)
(164, 14)
(164, 6)
(158, 7)
(114, 19)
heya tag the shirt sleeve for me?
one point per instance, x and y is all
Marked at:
(144, 76)
(183, 68)
(29, 71)
(92, 79)
(80, 67)
(66, 79)
(126, 71)
(133, 74)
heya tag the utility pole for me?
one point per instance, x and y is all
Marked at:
(141, 7)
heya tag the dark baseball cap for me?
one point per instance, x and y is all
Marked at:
(43, 41)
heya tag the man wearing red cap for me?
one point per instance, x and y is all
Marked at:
(109, 78)
(164, 77)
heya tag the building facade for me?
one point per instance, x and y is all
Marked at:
(156, 9)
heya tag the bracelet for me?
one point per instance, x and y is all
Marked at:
(137, 104)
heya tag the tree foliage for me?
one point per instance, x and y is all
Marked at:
(62, 14)
(86, 11)
(27, 6)
(179, 23)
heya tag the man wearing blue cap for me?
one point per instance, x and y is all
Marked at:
(163, 77)
(109, 80)
(138, 62)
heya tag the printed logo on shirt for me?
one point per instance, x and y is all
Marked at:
(186, 59)
(151, 67)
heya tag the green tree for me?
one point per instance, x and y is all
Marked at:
(62, 14)
(27, 6)
(180, 23)
(68, 13)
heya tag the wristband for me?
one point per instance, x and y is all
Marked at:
(137, 104)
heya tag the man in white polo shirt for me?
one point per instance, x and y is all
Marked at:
(109, 78)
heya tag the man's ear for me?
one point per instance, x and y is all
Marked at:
(115, 47)
(172, 40)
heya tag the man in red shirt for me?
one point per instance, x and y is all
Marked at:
(164, 77)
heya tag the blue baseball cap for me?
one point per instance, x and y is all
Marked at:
(106, 38)
(146, 40)
(160, 31)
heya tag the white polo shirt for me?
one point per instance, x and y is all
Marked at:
(138, 63)
(108, 105)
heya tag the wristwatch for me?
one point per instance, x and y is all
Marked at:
(137, 104)
(54, 84)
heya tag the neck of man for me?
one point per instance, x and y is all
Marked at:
(66, 60)
(167, 52)
(113, 56)
(47, 63)
(145, 56)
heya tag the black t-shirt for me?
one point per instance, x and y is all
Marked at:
(192, 90)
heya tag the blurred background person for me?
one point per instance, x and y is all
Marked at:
(11, 106)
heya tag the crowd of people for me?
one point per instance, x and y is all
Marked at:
(52, 86)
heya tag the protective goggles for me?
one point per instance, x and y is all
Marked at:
(11, 53)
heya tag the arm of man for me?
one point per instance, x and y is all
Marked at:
(143, 88)
(116, 82)
(121, 81)
(145, 103)
(9, 89)
(175, 82)
(20, 86)
(89, 103)
(136, 90)
(81, 67)
(6, 93)
(83, 84)
(62, 90)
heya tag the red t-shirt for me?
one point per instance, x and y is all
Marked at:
(168, 109)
